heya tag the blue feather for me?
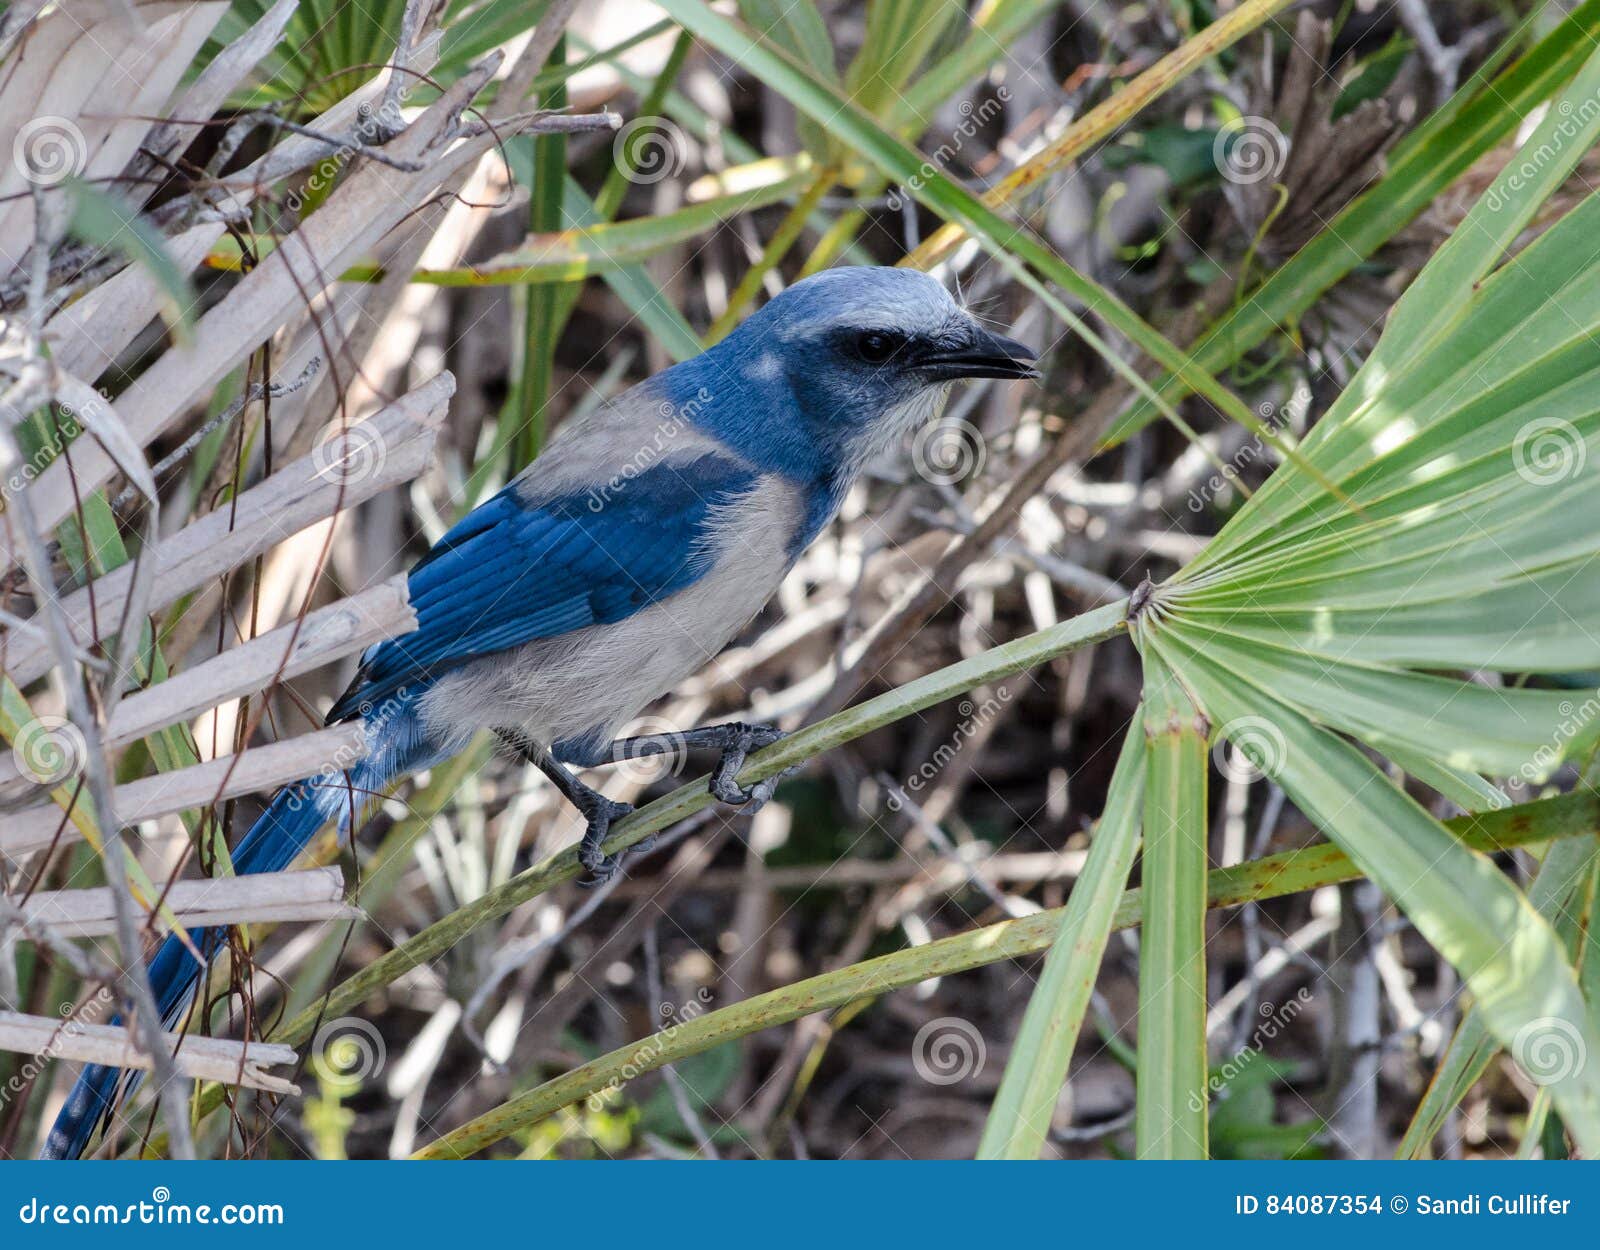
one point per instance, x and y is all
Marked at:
(508, 574)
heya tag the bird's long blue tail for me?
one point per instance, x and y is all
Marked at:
(272, 844)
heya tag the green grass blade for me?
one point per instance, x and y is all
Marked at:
(108, 222)
(578, 252)
(995, 26)
(900, 35)
(797, 27)
(531, 394)
(1037, 1068)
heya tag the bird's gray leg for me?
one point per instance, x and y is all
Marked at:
(735, 740)
(598, 811)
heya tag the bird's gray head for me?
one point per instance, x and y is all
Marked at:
(854, 357)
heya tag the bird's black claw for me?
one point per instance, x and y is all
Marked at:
(643, 846)
(727, 790)
(600, 814)
(750, 799)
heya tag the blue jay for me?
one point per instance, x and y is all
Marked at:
(644, 538)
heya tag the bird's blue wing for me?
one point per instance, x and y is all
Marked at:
(508, 573)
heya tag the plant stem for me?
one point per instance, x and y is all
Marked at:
(1173, 1098)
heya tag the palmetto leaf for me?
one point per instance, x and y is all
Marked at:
(330, 46)
(1510, 957)
(1468, 517)
(1455, 723)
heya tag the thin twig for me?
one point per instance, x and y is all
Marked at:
(418, 15)
(273, 390)
(337, 143)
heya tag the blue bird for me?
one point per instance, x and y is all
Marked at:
(646, 536)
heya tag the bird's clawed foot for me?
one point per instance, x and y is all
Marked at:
(736, 749)
(599, 812)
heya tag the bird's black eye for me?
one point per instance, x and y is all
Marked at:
(876, 346)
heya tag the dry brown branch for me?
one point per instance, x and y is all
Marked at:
(103, 81)
(330, 633)
(311, 894)
(16, 21)
(200, 1058)
(201, 98)
(259, 768)
(519, 79)
(34, 384)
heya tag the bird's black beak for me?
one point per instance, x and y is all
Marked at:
(981, 355)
